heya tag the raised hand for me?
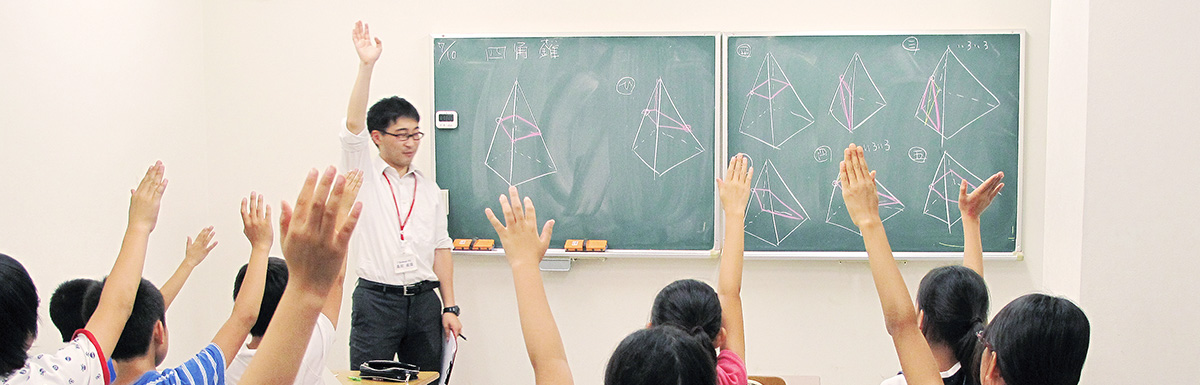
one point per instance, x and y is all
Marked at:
(858, 187)
(972, 205)
(256, 221)
(518, 234)
(735, 188)
(313, 243)
(368, 53)
(146, 198)
(354, 181)
(199, 248)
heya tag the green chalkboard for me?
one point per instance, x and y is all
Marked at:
(614, 137)
(931, 110)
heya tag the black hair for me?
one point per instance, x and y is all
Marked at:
(662, 355)
(18, 314)
(148, 309)
(1039, 340)
(387, 110)
(955, 301)
(277, 277)
(66, 306)
(690, 305)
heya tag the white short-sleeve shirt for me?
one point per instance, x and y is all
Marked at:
(376, 240)
(80, 362)
(899, 378)
(312, 367)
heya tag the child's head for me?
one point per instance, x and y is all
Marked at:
(1036, 339)
(277, 277)
(66, 306)
(692, 306)
(146, 327)
(954, 305)
(662, 355)
(18, 314)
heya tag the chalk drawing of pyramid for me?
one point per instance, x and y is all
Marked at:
(773, 212)
(954, 98)
(942, 200)
(774, 112)
(518, 154)
(889, 206)
(664, 140)
(857, 97)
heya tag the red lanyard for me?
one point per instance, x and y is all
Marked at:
(410, 205)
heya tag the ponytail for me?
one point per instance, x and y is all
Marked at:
(954, 300)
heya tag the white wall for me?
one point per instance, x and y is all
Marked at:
(1140, 263)
(92, 93)
(238, 96)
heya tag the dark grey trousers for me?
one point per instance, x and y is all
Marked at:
(387, 325)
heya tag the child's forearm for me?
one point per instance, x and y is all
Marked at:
(120, 289)
(893, 294)
(282, 348)
(542, 338)
(174, 285)
(972, 245)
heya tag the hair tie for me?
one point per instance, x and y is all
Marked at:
(976, 320)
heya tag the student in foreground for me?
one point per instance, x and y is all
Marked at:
(314, 241)
(82, 361)
(143, 344)
(312, 367)
(689, 320)
(688, 313)
(1035, 340)
(952, 301)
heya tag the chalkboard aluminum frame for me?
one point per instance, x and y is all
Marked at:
(718, 145)
(1016, 255)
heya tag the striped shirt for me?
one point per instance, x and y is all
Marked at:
(206, 368)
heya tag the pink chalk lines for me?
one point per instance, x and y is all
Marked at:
(774, 112)
(664, 140)
(519, 155)
(889, 206)
(857, 98)
(773, 212)
(954, 98)
(942, 200)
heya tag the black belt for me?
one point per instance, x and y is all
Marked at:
(405, 290)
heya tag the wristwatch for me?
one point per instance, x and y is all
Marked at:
(452, 309)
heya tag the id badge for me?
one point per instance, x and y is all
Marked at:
(406, 262)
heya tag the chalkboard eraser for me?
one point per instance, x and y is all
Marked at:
(463, 244)
(574, 245)
(446, 120)
(596, 245)
(484, 244)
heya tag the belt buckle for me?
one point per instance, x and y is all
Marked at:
(406, 293)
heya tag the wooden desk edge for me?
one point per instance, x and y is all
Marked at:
(424, 378)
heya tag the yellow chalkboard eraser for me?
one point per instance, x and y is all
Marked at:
(596, 245)
(484, 244)
(463, 244)
(574, 245)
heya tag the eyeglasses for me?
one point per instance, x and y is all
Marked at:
(986, 344)
(404, 137)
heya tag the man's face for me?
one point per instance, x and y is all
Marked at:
(398, 145)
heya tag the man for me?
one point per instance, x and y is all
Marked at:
(402, 244)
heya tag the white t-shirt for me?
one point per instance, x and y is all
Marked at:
(80, 362)
(312, 368)
(899, 378)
